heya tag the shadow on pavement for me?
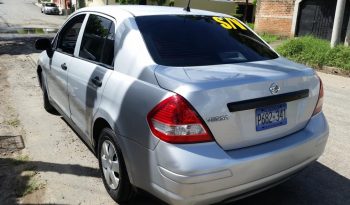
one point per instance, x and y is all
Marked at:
(144, 198)
(16, 176)
(73, 169)
(316, 184)
(15, 180)
(18, 45)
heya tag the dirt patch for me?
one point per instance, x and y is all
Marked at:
(18, 177)
(335, 71)
(63, 168)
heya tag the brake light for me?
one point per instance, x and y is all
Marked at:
(319, 104)
(174, 120)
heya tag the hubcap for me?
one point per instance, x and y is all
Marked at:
(110, 164)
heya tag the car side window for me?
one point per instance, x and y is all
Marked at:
(98, 40)
(69, 34)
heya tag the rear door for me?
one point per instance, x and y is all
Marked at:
(91, 68)
(60, 62)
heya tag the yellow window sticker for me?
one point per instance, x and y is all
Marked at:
(229, 23)
(222, 22)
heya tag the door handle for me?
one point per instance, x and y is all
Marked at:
(96, 81)
(64, 66)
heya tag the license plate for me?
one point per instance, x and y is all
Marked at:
(270, 116)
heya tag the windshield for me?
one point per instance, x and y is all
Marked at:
(185, 40)
(50, 5)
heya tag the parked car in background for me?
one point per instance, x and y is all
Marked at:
(191, 106)
(50, 8)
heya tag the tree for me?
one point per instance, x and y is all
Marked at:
(245, 11)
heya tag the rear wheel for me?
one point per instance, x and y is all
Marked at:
(47, 105)
(114, 175)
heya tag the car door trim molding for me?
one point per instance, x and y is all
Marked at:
(266, 101)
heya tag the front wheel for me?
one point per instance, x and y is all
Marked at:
(113, 169)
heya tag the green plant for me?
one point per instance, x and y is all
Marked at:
(27, 183)
(13, 122)
(21, 159)
(251, 25)
(339, 56)
(269, 38)
(315, 52)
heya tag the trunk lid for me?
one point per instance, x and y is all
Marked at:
(216, 91)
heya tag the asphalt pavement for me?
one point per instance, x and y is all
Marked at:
(25, 14)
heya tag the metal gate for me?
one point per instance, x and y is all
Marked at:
(316, 18)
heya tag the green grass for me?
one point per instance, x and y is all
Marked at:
(32, 185)
(269, 38)
(251, 25)
(315, 52)
(24, 180)
(27, 183)
(21, 159)
(13, 122)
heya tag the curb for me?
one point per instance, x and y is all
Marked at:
(37, 4)
(334, 70)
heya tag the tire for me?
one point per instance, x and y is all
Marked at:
(122, 191)
(47, 105)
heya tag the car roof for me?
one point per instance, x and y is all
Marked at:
(147, 10)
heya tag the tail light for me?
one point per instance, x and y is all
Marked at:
(174, 120)
(319, 104)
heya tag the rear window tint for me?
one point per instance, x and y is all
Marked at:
(185, 40)
(51, 5)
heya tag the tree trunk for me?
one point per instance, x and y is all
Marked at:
(245, 11)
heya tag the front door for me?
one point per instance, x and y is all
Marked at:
(60, 64)
(90, 70)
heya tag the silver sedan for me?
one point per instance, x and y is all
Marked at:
(50, 8)
(191, 106)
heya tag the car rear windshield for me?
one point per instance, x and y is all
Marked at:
(50, 5)
(189, 40)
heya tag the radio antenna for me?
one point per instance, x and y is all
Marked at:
(188, 9)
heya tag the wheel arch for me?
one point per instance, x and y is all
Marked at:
(99, 124)
(104, 121)
(39, 71)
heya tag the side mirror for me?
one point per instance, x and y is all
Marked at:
(44, 44)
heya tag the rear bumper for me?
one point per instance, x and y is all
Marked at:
(52, 11)
(205, 173)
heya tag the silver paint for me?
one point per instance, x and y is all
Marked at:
(201, 173)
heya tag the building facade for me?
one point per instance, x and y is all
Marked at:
(301, 17)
